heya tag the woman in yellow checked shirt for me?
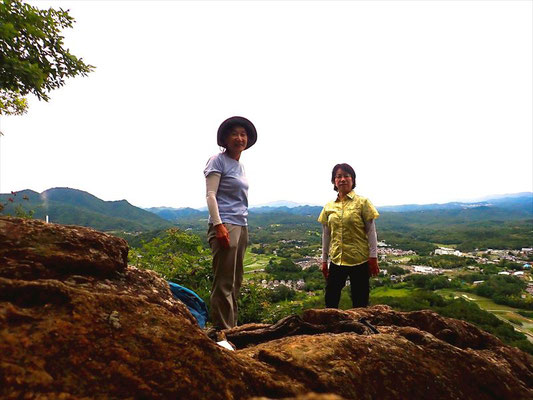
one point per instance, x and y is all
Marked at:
(349, 238)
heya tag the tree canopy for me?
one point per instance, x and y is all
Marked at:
(33, 59)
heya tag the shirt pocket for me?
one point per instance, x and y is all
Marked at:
(355, 217)
(332, 218)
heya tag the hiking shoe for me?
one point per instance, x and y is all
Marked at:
(227, 345)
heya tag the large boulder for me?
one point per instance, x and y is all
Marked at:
(77, 323)
(405, 359)
(34, 248)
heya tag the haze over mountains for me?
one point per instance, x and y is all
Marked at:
(520, 203)
(76, 207)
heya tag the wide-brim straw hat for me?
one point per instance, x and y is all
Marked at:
(241, 121)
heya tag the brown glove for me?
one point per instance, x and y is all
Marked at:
(222, 235)
(373, 267)
(325, 270)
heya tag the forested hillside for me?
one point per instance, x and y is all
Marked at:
(499, 223)
(76, 207)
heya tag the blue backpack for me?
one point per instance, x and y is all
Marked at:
(193, 302)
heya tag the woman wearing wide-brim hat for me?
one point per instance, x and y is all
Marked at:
(227, 202)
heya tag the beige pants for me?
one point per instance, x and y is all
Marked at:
(228, 272)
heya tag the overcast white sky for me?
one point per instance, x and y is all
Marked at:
(428, 101)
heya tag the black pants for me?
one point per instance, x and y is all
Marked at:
(359, 284)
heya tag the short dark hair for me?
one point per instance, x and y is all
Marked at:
(228, 130)
(344, 167)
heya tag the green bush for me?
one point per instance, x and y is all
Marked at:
(178, 257)
(527, 314)
(394, 270)
(281, 293)
(281, 310)
(429, 282)
(524, 345)
(314, 280)
(504, 290)
(253, 303)
(443, 261)
(515, 321)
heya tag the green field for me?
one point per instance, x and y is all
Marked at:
(482, 302)
(384, 291)
(401, 259)
(506, 313)
(254, 262)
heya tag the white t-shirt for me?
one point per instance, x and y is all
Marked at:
(232, 193)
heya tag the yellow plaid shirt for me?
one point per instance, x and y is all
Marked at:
(346, 221)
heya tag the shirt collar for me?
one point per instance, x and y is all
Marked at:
(350, 195)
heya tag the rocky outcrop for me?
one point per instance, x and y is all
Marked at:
(406, 359)
(77, 322)
(31, 248)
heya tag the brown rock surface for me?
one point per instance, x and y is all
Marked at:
(30, 248)
(77, 323)
(400, 362)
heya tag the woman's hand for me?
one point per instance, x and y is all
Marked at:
(222, 235)
(373, 267)
(325, 270)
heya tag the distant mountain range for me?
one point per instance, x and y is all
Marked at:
(518, 201)
(520, 204)
(280, 203)
(172, 214)
(502, 222)
(76, 207)
(176, 214)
